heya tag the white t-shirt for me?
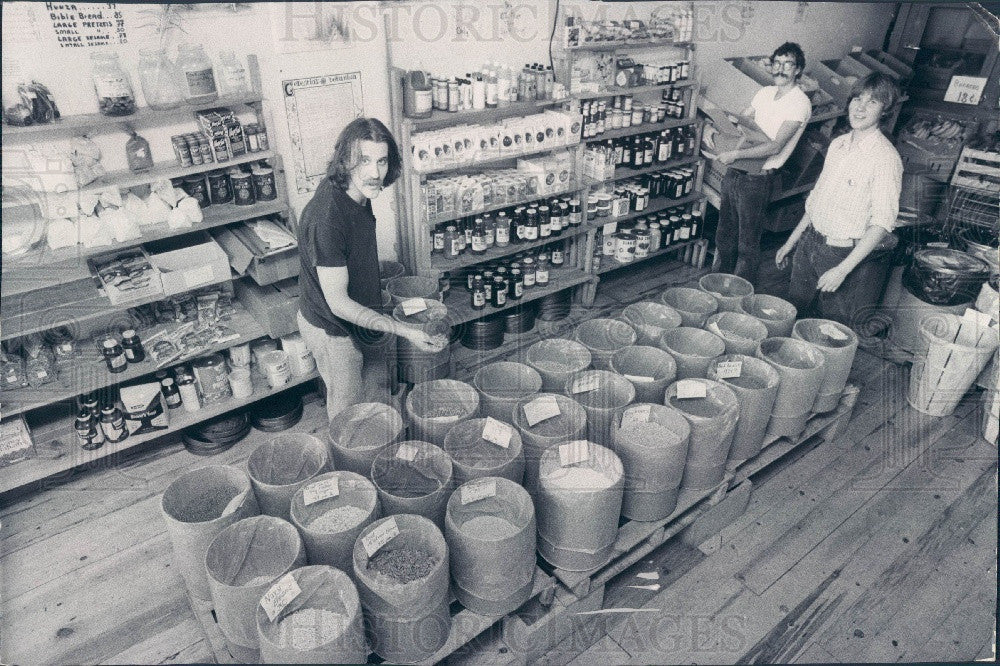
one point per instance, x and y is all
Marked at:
(771, 113)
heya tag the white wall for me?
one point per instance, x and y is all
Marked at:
(446, 37)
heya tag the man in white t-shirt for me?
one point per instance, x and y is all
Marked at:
(781, 112)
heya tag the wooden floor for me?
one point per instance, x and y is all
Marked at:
(878, 547)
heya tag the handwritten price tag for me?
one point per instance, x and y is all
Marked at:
(832, 331)
(279, 596)
(965, 89)
(496, 432)
(770, 312)
(477, 491)
(586, 384)
(321, 490)
(638, 414)
(540, 409)
(574, 452)
(691, 388)
(728, 369)
(407, 452)
(380, 536)
(412, 306)
(638, 379)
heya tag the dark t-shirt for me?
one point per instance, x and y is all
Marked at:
(337, 231)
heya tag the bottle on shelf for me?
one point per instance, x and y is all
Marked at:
(197, 73)
(134, 351)
(113, 424)
(159, 79)
(114, 356)
(478, 293)
(232, 74)
(112, 85)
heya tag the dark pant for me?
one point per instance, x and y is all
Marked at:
(741, 220)
(812, 258)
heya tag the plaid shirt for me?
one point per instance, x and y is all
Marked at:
(859, 187)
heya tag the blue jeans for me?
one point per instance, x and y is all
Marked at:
(741, 221)
(813, 257)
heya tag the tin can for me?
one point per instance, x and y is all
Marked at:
(625, 248)
(181, 151)
(197, 189)
(194, 148)
(263, 183)
(189, 394)
(262, 138)
(642, 243)
(219, 188)
(206, 149)
(250, 134)
(212, 378)
(242, 184)
(608, 246)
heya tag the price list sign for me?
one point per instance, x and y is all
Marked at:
(87, 24)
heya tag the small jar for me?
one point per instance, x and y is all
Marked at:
(232, 74)
(591, 206)
(189, 393)
(451, 245)
(515, 288)
(642, 243)
(625, 248)
(654, 236)
(113, 425)
(575, 214)
(608, 245)
(528, 272)
(112, 84)
(134, 351)
(542, 270)
(558, 255)
(197, 74)
(172, 396)
(114, 356)
(86, 433)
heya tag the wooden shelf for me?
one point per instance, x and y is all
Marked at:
(95, 122)
(622, 173)
(637, 90)
(634, 130)
(47, 268)
(30, 471)
(68, 305)
(460, 311)
(655, 206)
(609, 264)
(494, 160)
(90, 372)
(468, 259)
(439, 119)
(614, 46)
(576, 186)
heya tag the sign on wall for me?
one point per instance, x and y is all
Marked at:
(965, 89)
(317, 109)
(86, 24)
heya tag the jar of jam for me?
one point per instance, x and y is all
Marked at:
(558, 255)
(451, 244)
(515, 285)
(642, 243)
(544, 222)
(478, 294)
(542, 270)
(531, 226)
(575, 214)
(499, 293)
(114, 356)
(654, 236)
(134, 352)
(528, 272)
(503, 230)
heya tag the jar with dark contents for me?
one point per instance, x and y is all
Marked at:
(542, 270)
(171, 394)
(113, 424)
(263, 183)
(242, 184)
(499, 292)
(478, 293)
(197, 189)
(134, 352)
(114, 356)
(544, 222)
(515, 288)
(112, 85)
(219, 188)
(89, 435)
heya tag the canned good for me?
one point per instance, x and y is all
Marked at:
(194, 148)
(262, 137)
(625, 248)
(608, 246)
(219, 189)
(211, 378)
(181, 151)
(242, 184)
(250, 135)
(263, 183)
(197, 189)
(642, 243)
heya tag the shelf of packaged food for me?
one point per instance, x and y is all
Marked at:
(645, 128)
(90, 373)
(609, 264)
(622, 173)
(440, 263)
(493, 160)
(69, 305)
(575, 186)
(32, 470)
(47, 268)
(460, 310)
(88, 123)
(656, 204)
(614, 46)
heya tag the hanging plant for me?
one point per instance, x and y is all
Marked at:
(164, 20)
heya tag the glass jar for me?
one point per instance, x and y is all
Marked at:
(232, 74)
(197, 74)
(160, 80)
(112, 85)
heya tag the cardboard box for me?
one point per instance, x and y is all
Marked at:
(275, 306)
(248, 256)
(144, 409)
(15, 441)
(189, 262)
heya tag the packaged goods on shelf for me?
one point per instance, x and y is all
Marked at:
(15, 441)
(144, 410)
(274, 306)
(188, 262)
(127, 276)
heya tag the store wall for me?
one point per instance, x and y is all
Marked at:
(447, 37)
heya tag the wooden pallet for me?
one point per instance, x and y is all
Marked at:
(636, 538)
(465, 626)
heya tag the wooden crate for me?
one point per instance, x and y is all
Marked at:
(977, 170)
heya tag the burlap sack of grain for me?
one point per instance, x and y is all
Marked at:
(196, 507)
(490, 530)
(281, 465)
(323, 624)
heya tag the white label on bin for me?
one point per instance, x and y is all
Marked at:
(638, 414)
(586, 384)
(321, 490)
(575, 452)
(976, 317)
(412, 306)
(639, 379)
(832, 331)
(380, 536)
(729, 369)
(714, 328)
(609, 228)
(691, 388)
(444, 419)
(497, 432)
(279, 596)
(770, 312)
(541, 409)
(407, 452)
(474, 492)
(198, 276)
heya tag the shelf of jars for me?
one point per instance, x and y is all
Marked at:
(89, 372)
(656, 205)
(493, 161)
(629, 44)
(609, 264)
(468, 258)
(643, 128)
(575, 186)
(623, 172)
(459, 299)
(60, 439)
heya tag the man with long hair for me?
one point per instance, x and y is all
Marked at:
(850, 211)
(339, 278)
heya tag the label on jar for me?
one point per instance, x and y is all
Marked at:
(112, 86)
(200, 82)
(541, 277)
(530, 233)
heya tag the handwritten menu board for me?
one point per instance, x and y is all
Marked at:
(86, 24)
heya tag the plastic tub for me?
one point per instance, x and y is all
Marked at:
(411, 286)
(838, 344)
(280, 466)
(413, 477)
(387, 270)
(650, 320)
(502, 385)
(741, 332)
(713, 424)
(601, 393)
(693, 349)
(729, 290)
(569, 424)
(434, 407)
(650, 370)
(603, 337)
(801, 367)
(415, 365)
(777, 314)
(358, 432)
(756, 388)
(693, 305)
(556, 360)
(474, 457)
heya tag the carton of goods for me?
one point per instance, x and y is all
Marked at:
(128, 276)
(188, 262)
(144, 410)
(723, 134)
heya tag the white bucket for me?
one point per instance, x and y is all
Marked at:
(300, 358)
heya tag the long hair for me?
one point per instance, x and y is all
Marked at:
(880, 87)
(345, 152)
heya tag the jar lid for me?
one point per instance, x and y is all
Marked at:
(128, 333)
(110, 343)
(167, 382)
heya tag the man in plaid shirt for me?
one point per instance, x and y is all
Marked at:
(851, 210)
